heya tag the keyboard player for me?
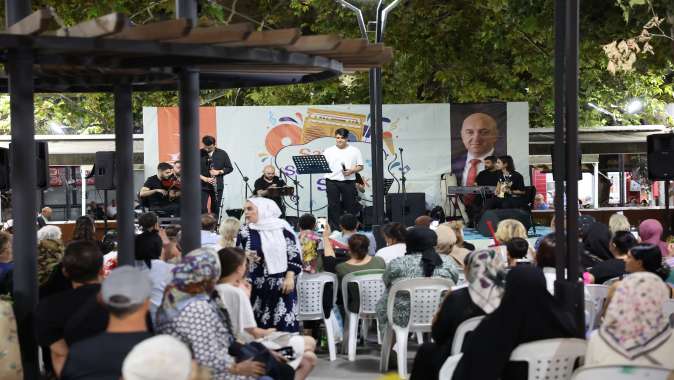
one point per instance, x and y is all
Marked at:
(487, 177)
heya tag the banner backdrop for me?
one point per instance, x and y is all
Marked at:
(258, 136)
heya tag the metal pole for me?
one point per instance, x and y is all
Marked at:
(16, 10)
(190, 205)
(574, 297)
(668, 216)
(24, 183)
(124, 189)
(621, 178)
(376, 132)
(557, 167)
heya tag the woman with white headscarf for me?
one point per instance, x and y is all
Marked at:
(635, 330)
(272, 272)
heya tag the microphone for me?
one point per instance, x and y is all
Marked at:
(400, 149)
(343, 167)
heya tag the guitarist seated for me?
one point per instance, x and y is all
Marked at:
(510, 187)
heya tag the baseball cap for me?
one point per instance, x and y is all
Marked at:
(126, 286)
(158, 358)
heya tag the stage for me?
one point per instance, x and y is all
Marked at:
(480, 242)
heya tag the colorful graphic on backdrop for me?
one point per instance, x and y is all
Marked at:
(169, 126)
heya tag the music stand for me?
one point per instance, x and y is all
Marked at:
(388, 182)
(311, 164)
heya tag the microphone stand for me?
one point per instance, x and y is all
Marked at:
(245, 180)
(297, 185)
(403, 179)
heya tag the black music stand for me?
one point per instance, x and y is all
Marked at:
(388, 182)
(311, 164)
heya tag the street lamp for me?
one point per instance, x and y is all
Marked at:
(376, 132)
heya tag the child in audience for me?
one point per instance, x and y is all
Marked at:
(228, 231)
(517, 249)
(310, 242)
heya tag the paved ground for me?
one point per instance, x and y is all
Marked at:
(365, 367)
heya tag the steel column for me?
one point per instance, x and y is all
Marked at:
(16, 10)
(124, 173)
(24, 203)
(190, 204)
(558, 163)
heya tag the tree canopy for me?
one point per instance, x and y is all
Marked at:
(445, 51)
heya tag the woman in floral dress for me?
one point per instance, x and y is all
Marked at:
(275, 265)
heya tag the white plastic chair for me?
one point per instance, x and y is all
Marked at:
(370, 289)
(590, 315)
(550, 358)
(611, 281)
(619, 372)
(425, 297)
(310, 301)
(598, 294)
(465, 327)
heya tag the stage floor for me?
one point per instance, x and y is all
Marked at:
(474, 237)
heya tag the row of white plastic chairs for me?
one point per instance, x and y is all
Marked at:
(425, 297)
(557, 358)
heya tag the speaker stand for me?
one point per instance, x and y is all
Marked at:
(668, 214)
(105, 212)
(403, 179)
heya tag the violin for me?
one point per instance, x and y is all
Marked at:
(173, 185)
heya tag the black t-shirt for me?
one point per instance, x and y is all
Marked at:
(487, 178)
(148, 246)
(54, 312)
(156, 199)
(90, 320)
(515, 178)
(262, 184)
(607, 270)
(100, 357)
(456, 308)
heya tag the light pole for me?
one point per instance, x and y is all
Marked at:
(376, 142)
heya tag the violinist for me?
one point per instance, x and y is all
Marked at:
(156, 190)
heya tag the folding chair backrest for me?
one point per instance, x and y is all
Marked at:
(610, 281)
(426, 293)
(619, 372)
(598, 294)
(465, 327)
(590, 315)
(370, 289)
(310, 294)
(550, 358)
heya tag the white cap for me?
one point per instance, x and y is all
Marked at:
(158, 358)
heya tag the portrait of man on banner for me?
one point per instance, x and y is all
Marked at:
(477, 131)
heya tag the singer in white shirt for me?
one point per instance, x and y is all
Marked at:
(344, 161)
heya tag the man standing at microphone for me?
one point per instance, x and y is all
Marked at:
(345, 161)
(215, 164)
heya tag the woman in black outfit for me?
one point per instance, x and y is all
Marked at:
(486, 281)
(527, 313)
(510, 191)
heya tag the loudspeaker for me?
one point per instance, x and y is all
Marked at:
(4, 169)
(104, 171)
(41, 164)
(660, 156)
(415, 206)
(496, 216)
(558, 161)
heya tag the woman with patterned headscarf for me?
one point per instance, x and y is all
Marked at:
(486, 280)
(634, 331)
(192, 312)
(275, 265)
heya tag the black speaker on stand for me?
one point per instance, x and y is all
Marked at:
(414, 206)
(660, 168)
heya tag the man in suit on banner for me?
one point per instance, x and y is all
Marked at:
(479, 133)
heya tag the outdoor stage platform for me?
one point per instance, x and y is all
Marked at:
(480, 242)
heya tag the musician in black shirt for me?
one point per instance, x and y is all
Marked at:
(487, 177)
(215, 164)
(156, 193)
(269, 179)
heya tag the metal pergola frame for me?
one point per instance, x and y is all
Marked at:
(121, 67)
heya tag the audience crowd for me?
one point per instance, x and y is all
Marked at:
(229, 309)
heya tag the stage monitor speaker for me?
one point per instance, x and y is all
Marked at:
(104, 171)
(4, 169)
(557, 161)
(41, 164)
(660, 156)
(496, 216)
(415, 206)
